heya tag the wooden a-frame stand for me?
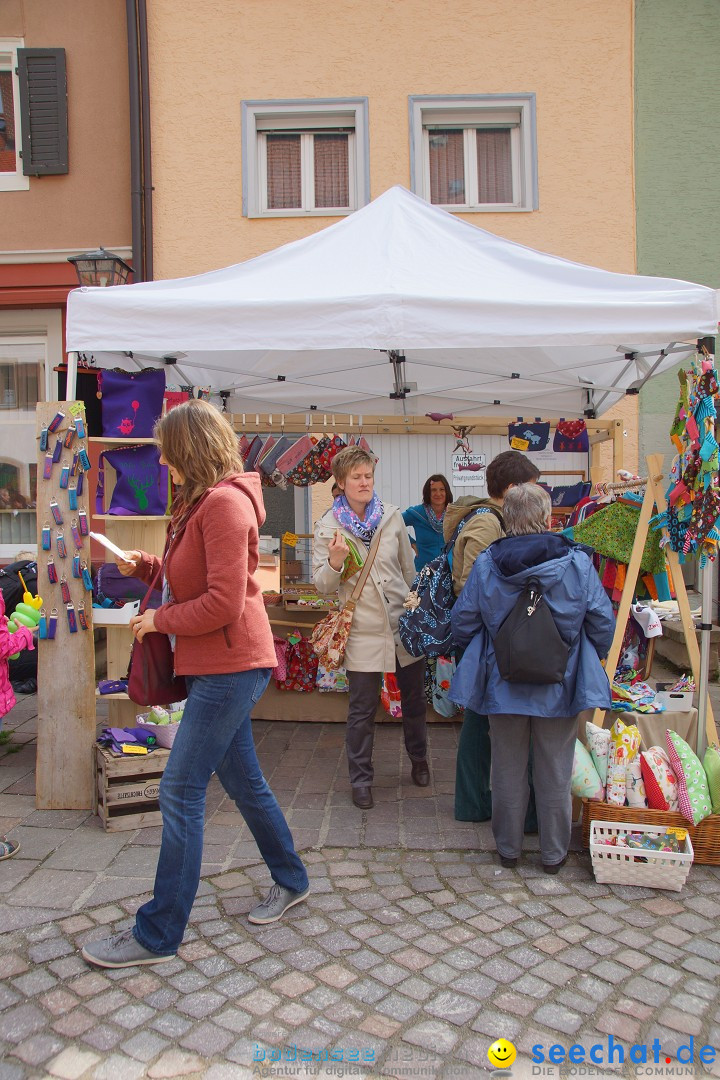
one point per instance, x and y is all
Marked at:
(655, 496)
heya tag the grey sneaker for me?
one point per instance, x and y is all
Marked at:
(275, 904)
(121, 950)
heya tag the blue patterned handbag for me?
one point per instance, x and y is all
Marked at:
(424, 627)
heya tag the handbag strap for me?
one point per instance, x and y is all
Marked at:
(367, 566)
(171, 539)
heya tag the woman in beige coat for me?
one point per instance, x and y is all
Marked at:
(373, 645)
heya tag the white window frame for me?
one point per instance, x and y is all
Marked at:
(308, 118)
(514, 111)
(16, 181)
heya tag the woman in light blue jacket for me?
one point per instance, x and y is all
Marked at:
(584, 617)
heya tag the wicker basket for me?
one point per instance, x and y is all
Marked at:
(272, 599)
(705, 837)
(628, 866)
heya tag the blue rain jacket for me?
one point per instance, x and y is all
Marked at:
(581, 609)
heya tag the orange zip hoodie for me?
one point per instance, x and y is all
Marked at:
(217, 613)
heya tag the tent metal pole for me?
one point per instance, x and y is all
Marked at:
(71, 379)
(706, 589)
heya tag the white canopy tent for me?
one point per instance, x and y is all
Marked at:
(400, 308)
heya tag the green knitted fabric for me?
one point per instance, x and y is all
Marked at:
(611, 532)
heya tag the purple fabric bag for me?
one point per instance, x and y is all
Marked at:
(131, 402)
(141, 485)
(113, 585)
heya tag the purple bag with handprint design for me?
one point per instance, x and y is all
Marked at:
(141, 485)
(131, 401)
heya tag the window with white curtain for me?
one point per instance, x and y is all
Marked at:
(475, 153)
(304, 158)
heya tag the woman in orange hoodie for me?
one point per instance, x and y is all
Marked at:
(213, 612)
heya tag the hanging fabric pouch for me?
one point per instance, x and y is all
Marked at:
(295, 454)
(569, 494)
(444, 671)
(141, 485)
(131, 402)
(302, 668)
(390, 696)
(175, 397)
(571, 437)
(311, 469)
(528, 437)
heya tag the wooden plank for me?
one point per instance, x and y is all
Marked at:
(130, 822)
(618, 440)
(131, 765)
(66, 665)
(655, 467)
(317, 422)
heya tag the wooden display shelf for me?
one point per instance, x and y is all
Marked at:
(119, 442)
(120, 696)
(131, 517)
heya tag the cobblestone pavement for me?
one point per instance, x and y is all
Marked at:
(414, 950)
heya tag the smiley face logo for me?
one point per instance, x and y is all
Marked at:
(502, 1054)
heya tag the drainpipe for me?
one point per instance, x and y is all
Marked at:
(140, 157)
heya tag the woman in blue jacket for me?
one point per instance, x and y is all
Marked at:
(583, 615)
(426, 519)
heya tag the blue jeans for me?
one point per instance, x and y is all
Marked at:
(215, 736)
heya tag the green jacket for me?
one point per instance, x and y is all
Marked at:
(477, 535)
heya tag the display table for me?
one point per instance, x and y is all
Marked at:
(322, 708)
(651, 726)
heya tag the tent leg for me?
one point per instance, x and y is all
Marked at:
(71, 385)
(706, 587)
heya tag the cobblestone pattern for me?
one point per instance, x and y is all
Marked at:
(370, 963)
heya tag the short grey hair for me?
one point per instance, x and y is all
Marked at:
(526, 509)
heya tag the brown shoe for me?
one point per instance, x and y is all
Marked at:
(362, 797)
(420, 773)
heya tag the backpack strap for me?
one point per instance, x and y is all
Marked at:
(450, 546)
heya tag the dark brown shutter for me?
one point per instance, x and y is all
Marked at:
(43, 111)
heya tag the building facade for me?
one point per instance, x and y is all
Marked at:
(677, 161)
(64, 189)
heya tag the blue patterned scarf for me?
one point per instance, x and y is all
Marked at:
(435, 522)
(349, 520)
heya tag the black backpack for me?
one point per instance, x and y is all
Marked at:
(10, 584)
(528, 646)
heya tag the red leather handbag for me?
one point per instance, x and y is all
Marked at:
(151, 672)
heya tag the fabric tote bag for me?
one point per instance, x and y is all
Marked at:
(131, 402)
(529, 437)
(571, 437)
(141, 485)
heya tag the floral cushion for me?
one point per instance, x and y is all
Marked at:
(660, 781)
(585, 784)
(634, 784)
(693, 792)
(598, 741)
(624, 746)
(711, 764)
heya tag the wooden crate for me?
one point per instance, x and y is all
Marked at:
(705, 837)
(127, 788)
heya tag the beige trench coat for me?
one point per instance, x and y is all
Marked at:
(373, 643)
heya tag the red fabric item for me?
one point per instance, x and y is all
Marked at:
(217, 612)
(655, 798)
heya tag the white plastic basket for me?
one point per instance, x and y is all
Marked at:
(618, 866)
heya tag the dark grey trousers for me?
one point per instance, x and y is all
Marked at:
(553, 747)
(360, 731)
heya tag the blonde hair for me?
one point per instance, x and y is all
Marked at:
(348, 459)
(199, 441)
